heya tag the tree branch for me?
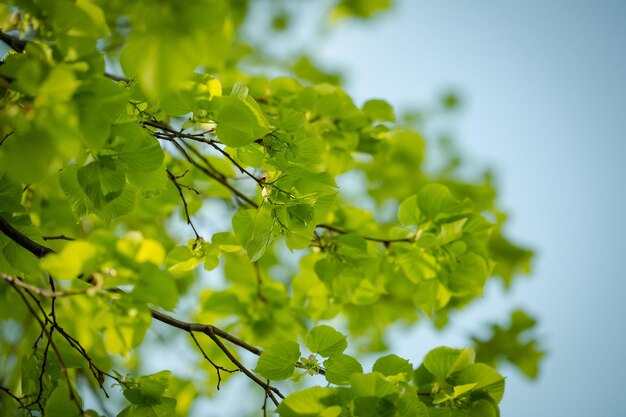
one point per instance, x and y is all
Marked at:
(24, 241)
(40, 291)
(17, 44)
(218, 368)
(16, 398)
(179, 187)
(57, 353)
(215, 333)
(222, 181)
(386, 242)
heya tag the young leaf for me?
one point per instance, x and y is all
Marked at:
(326, 341)
(393, 365)
(339, 368)
(445, 361)
(278, 361)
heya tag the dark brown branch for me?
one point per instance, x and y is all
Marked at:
(179, 187)
(24, 241)
(173, 134)
(17, 399)
(269, 390)
(42, 372)
(204, 328)
(57, 237)
(8, 135)
(17, 44)
(373, 239)
(215, 333)
(97, 373)
(259, 181)
(195, 163)
(218, 368)
(204, 160)
(57, 353)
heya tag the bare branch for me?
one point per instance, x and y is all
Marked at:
(17, 44)
(50, 343)
(218, 368)
(17, 399)
(57, 237)
(386, 242)
(24, 241)
(42, 292)
(179, 187)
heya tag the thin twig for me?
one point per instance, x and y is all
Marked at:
(16, 398)
(269, 390)
(212, 175)
(215, 333)
(5, 138)
(179, 187)
(57, 237)
(204, 160)
(57, 353)
(173, 134)
(41, 291)
(218, 368)
(373, 239)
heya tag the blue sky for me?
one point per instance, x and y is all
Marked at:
(544, 89)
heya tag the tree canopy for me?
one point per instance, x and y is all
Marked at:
(145, 143)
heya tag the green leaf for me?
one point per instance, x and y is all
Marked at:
(278, 361)
(408, 212)
(379, 110)
(483, 408)
(10, 196)
(147, 57)
(140, 152)
(393, 366)
(125, 329)
(254, 230)
(58, 87)
(102, 181)
(326, 341)
(374, 407)
(58, 403)
(469, 275)
(99, 103)
(371, 385)
(445, 361)
(182, 259)
(74, 193)
(339, 368)
(410, 406)
(165, 408)
(69, 263)
(309, 402)
(451, 231)
(27, 156)
(156, 286)
(435, 200)
(291, 120)
(485, 377)
(459, 391)
(148, 388)
(237, 122)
